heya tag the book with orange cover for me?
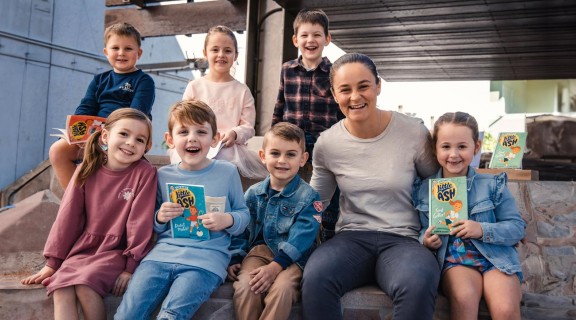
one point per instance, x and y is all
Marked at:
(79, 128)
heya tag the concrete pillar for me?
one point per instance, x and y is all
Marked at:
(269, 45)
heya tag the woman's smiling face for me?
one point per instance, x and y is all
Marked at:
(356, 90)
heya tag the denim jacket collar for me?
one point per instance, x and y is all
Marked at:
(288, 190)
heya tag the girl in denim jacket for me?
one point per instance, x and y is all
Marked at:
(478, 259)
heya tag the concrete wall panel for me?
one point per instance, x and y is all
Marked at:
(79, 24)
(32, 117)
(11, 78)
(15, 16)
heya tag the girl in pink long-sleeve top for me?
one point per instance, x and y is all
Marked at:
(230, 100)
(104, 224)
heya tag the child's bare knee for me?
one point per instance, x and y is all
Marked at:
(505, 310)
(61, 150)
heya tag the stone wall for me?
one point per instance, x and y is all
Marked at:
(549, 252)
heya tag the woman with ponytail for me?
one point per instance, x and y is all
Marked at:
(104, 225)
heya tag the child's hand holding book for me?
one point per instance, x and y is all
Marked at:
(169, 211)
(467, 229)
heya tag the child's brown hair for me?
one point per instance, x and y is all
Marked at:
(286, 131)
(191, 112)
(94, 156)
(122, 29)
(221, 29)
(458, 118)
(313, 16)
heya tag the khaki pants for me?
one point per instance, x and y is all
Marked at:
(274, 304)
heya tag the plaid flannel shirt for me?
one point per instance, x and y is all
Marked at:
(305, 99)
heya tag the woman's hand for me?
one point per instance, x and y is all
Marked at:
(216, 221)
(263, 277)
(467, 229)
(431, 241)
(45, 273)
(229, 138)
(169, 211)
(121, 283)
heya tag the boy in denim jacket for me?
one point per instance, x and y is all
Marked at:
(285, 215)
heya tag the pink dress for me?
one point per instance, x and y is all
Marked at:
(102, 228)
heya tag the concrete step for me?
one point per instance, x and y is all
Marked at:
(31, 303)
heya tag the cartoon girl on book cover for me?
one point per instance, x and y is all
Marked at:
(452, 215)
(511, 154)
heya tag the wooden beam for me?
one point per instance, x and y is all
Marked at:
(178, 19)
(513, 174)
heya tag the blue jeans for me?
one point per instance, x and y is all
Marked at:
(400, 266)
(183, 288)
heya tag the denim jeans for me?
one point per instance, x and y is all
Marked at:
(183, 288)
(400, 266)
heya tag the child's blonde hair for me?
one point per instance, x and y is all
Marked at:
(122, 29)
(94, 156)
(458, 118)
(286, 131)
(221, 29)
(313, 16)
(191, 112)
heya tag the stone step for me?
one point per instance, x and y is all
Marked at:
(30, 302)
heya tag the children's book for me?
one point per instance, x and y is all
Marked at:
(509, 150)
(79, 128)
(188, 225)
(448, 203)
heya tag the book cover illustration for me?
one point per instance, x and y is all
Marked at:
(509, 150)
(188, 225)
(448, 203)
(79, 128)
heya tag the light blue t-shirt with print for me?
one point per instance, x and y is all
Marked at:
(220, 179)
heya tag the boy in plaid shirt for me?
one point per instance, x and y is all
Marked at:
(304, 98)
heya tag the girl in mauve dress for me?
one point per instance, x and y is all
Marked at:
(104, 225)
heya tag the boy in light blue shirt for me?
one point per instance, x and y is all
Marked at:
(285, 218)
(183, 272)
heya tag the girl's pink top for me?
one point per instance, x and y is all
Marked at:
(102, 228)
(232, 103)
